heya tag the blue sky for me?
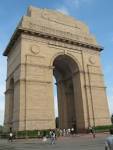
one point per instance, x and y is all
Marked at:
(97, 14)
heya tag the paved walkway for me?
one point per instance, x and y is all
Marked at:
(80, 142)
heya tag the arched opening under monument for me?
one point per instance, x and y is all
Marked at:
(11, 106)
(67, 76)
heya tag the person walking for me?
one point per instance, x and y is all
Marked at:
(72, 131)
(109, 141)
(53, 137)
(92, 131)
(10, 136)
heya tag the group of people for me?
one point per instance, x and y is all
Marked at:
(54, 133)
(58, 132)
(66, 132)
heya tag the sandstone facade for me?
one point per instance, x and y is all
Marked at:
(47, 43)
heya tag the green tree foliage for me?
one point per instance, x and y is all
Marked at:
(1, 129)
(112, 118)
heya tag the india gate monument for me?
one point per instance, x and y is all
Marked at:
(45, 45)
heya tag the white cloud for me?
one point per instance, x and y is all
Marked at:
(63, 10)
(73, 4)
(78, 3)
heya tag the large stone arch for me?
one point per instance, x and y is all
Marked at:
(67, 74)
(68, 54)
(43, 39)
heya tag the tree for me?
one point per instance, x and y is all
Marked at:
(112, 118)
(1, 129)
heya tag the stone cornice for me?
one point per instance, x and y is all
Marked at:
(49, 33)
(14, 37)
(95, 86)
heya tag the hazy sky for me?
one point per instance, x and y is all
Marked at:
(97, 14)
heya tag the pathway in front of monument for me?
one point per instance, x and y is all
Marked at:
(79, 142)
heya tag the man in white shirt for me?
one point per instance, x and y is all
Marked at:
(109, 141)
(11, 136)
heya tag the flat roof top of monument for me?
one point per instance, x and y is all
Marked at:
(54, 25)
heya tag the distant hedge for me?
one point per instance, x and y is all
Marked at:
(104, 128)
(32, 133)
(42, 133)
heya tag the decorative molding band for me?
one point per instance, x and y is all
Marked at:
(63, 45)
(53, 34)
(28, 64)
(15, 121)
(29, 80)
(65, 37)
(91, 73)
(95, 86)
(58, 44)
(8, 91)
